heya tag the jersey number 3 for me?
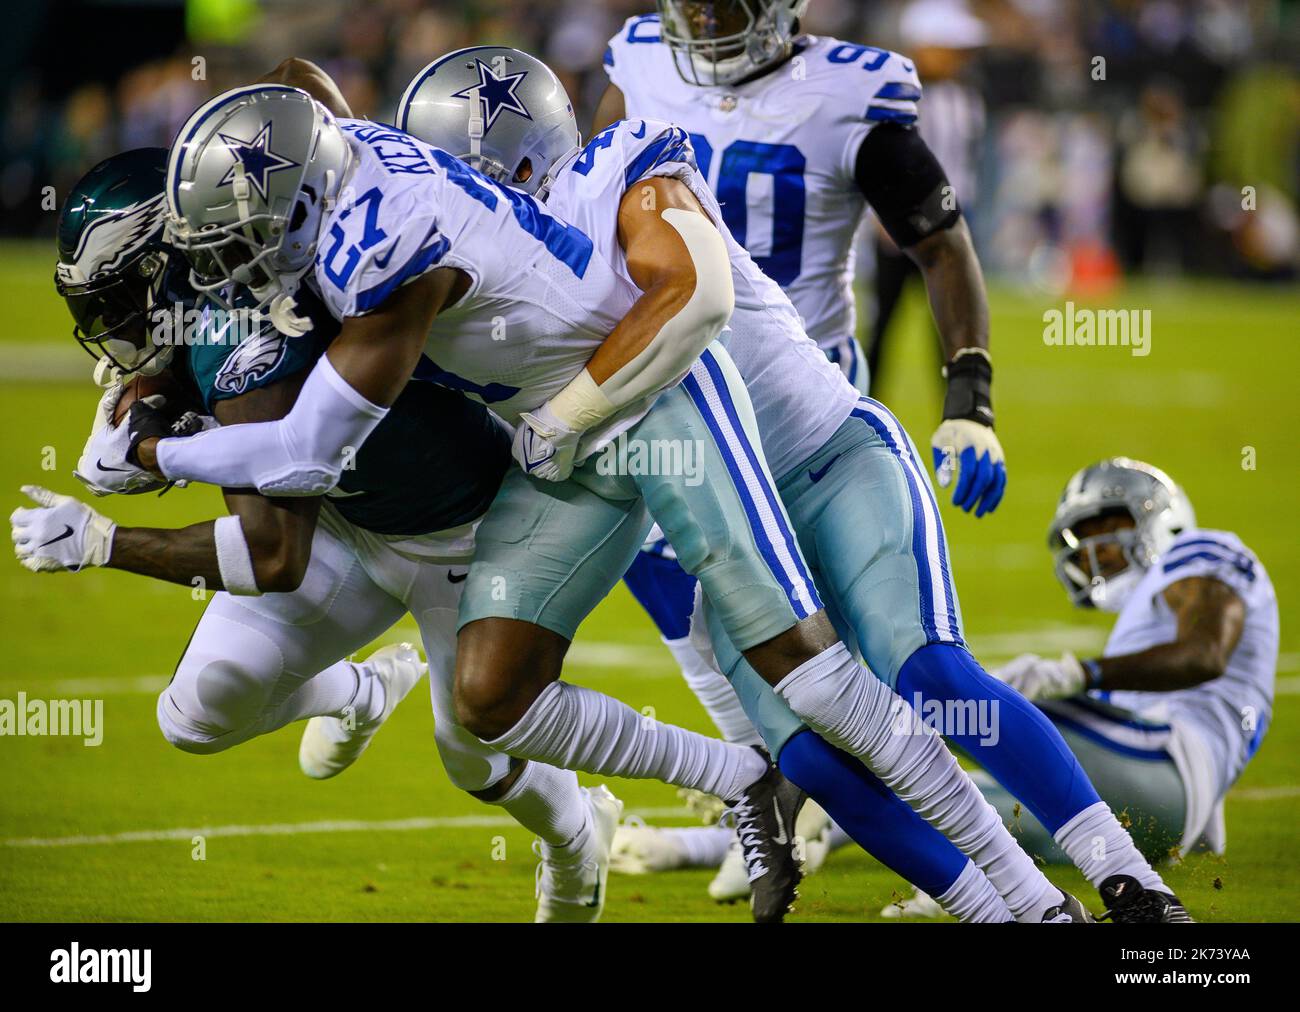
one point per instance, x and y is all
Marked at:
(785, 163)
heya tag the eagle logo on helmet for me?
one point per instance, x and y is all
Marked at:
(255, 157)
(496, 93)
(111, 240)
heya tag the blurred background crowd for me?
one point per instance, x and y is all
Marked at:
(1086, 138)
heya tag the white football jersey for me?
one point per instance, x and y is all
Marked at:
(1231, 713)
(799, 398)
(541, 299)
(780, 152)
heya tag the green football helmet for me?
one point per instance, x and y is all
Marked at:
(113, 267)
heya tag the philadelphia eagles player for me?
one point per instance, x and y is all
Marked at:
(302, 583)
(848, 474)
(419, 252)
(796, 134)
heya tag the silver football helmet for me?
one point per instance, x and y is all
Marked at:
(249, 179)
(726, 41)
(1160, 512)
(498, 109)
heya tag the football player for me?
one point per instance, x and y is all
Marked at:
(796, 134)
(1166, 719)
(859, 500)
(423, 253)
(301, 583)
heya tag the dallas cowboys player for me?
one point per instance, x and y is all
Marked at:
(831, 450)
(1178, 703)
(795, 134)
(301, 583)
(413, 260)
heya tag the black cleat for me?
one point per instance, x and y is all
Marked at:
(765, 814)
(1129, 902)
(1068, 911)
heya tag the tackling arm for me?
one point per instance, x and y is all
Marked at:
(345, 396)
(610, 109)
(299, 73)
(678, 259)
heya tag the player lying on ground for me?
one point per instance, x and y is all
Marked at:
(1167, 718)
(597, 349)
(302, 583)
(850, 477)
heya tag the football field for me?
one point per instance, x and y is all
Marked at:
(132, 829)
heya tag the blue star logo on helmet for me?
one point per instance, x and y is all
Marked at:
(496, 94)
(256, 157)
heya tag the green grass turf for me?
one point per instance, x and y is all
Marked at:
(1220, 377)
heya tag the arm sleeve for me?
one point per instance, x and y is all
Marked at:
(905, 184)
(301, 454)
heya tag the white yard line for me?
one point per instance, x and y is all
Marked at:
(298, 828)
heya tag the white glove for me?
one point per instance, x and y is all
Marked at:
(103, 466)
(972, 451)
(60, 533)
(1036, 677)
(545, 446)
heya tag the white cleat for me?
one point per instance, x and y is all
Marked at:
(329, 745)
(572, 891)
(731, 883)
(813, 827)
(642, 850)
(920, 905)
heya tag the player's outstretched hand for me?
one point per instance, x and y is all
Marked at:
(104, 467)
(544, 446)
(971, 451)
(1037, 677)
(59, 533)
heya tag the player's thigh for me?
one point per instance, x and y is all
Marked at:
(698, 461)
(548, 552)
(248, 653)
(868, 520)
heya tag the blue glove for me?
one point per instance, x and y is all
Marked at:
(965, 444)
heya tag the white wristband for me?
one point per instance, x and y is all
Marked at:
(233, 558)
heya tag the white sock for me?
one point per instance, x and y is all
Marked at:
(549, 803)
(701, 846)
(714, 692)
(578, 729)
(851, 709)
(1100, 847)
(972, 898)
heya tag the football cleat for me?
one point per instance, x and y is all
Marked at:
(571, 889)
(731, 883)
(1129, 902)
(765, 815)
(920, 904)
(1068, 911)
(642, 850)
(329, 745)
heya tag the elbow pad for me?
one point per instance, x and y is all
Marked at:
(302, 454)
(679, 342)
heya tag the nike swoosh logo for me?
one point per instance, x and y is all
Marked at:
(382, 264)
(818, 475)
(67, 533)
(104, 467)
(641, 134)
(780, 839)
(453, 578)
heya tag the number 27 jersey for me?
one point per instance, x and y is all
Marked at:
(541, 299)
(779, 152)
